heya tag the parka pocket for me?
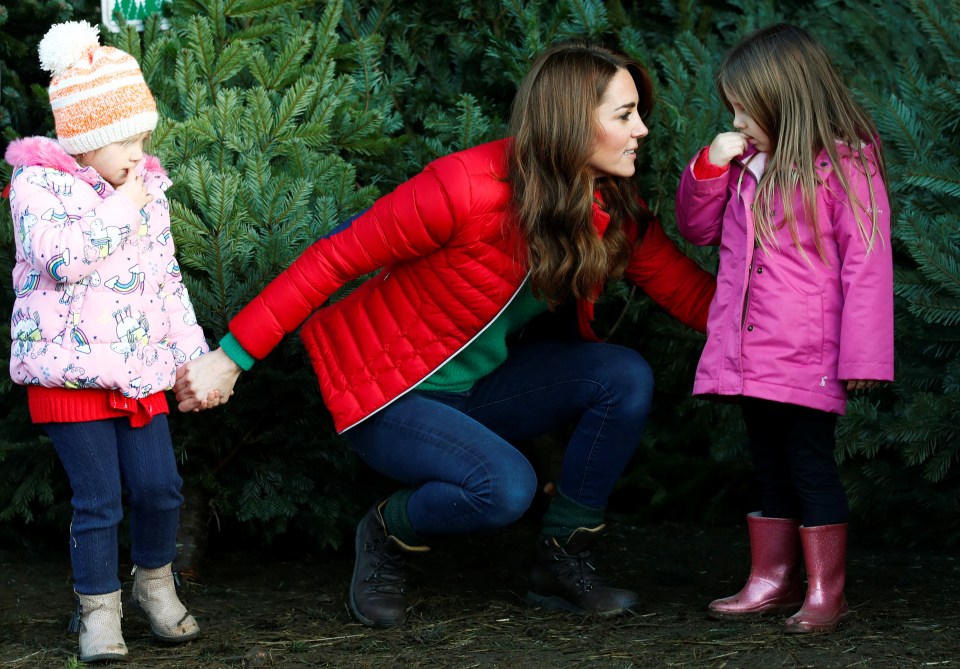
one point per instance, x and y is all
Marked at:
(812, 350)
(784, 324)
(803, 330)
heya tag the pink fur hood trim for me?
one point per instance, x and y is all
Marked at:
(47, 152)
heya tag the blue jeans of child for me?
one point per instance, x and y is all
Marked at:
(455, 447)
(102, 458)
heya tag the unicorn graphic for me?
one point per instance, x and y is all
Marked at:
(131, 332)
(106, 238)
(67, 296)
(26, 332)
(189, 315)
(143, 233)
(59, 182)
(24, 224)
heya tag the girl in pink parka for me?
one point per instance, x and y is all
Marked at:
(795, 198)
(100, 324)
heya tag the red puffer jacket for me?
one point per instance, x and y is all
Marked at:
(451, 262)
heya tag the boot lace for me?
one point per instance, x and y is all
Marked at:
(388, 566)
(578, 569)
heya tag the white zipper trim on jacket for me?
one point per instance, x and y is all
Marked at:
(451, 357)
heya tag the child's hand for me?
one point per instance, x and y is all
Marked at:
(861, 384)
(136, 190)
(206, 382)
(726, 146)
(213, 399)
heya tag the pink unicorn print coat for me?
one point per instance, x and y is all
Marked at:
(99, 298)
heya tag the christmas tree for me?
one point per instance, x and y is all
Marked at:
(281, 118)
(901, 447)
(264, 113)
(33, 489)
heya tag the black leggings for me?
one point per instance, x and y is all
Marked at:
(792, 448)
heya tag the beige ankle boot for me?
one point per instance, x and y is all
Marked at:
(155, 597)
(99, 626)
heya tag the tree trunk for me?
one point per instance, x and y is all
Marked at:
(195, 517)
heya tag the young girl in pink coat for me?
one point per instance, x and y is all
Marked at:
(804, 306)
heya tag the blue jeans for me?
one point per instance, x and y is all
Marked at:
(455, 447)
(101, 458)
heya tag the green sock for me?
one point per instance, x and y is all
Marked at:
(564, 516)
(397, 520)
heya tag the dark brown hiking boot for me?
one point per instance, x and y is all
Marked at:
(565, 577)
(377, 590)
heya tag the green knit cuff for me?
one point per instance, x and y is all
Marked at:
(397, 520)
(564, 516)
(236, 352)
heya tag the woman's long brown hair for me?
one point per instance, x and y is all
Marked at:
(555, 129)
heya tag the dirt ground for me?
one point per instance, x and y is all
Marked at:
(262, 609)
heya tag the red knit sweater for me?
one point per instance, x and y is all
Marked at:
(66, 405)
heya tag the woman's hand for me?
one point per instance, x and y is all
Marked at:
(206, 382)
(861, 384)
(726, 146)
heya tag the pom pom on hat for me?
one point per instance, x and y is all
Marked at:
(98, 93)
(65, 44)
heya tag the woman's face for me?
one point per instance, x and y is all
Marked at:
(619, 128)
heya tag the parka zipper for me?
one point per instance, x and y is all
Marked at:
(746, 297)
(746, 291)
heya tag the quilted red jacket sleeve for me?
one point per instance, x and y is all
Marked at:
(412, 221)
(671, 279)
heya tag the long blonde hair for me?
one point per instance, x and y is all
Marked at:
(787, 83)
(555, 129)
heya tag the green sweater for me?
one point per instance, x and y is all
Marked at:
(488, 350)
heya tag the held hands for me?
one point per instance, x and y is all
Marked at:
(726, 146)
(206, 382)
(136, 190)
